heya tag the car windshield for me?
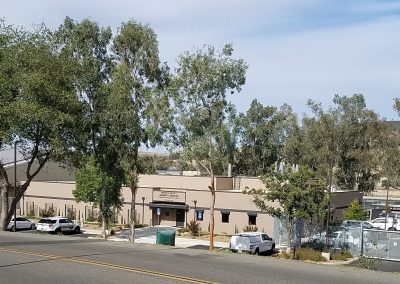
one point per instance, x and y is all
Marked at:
(334, 235)
(47, 221)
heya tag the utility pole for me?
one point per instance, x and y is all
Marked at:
(15, 186)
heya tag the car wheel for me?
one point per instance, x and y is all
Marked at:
(33, 227)
(272, 248)
(58, 231)
(12, 229)
(257, 251)
(392, 229)
(77, 230)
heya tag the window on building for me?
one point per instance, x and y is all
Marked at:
(252, 219)
(199, 214)
(225, 217)
(166, 213)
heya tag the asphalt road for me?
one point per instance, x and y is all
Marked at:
(31, 258)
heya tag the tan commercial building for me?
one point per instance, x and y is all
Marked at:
(178, 199)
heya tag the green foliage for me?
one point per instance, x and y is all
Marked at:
(205, 125)
(291, 196)
(319, 246)
(261, 136)
(71, 214)
(194, 227)
(341, 255)
(39, 108)
(47, 213)
(366, 263)
(355, 212)
(93, 184)
(341, 143)
(309, 254)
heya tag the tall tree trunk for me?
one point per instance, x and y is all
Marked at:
(104, 225)
(104, 221)
(133, 211)
(4, 186)
(289, 230)
(4, 206)
(212, 189)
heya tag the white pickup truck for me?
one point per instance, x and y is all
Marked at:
(254, 243)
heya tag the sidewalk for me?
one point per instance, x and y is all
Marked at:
(148, 236)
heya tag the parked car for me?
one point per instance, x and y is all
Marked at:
(356, 224)
(57, 225)
(390, 214)
(339, 238)
(391, 223)
(254, 243)
(318, 238)
(22, 223)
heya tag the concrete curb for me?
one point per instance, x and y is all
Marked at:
(334, 262)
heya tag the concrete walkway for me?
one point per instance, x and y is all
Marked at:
(148, 236)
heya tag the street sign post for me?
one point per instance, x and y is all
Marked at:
(158, 217)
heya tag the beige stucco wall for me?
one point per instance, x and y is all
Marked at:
(54, 185)
(238, 204)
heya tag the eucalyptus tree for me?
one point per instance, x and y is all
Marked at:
(262, 133)
(360, 133)
(89, 45)
(321, 132)
(341, 144)
(39, 106)
(203, 79)
(139, 105)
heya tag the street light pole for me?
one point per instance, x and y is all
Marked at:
(143, 198)
(15, 186)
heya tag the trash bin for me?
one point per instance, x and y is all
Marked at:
(166, 238)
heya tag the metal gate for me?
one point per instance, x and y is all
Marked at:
(381, 244)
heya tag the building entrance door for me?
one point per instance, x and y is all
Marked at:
(180, 217)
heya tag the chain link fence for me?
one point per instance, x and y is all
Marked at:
(381, 244)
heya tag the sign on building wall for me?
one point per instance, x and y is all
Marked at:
(169, 196)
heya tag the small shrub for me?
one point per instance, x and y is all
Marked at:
(194, 227)
(285, 255)
(314, 245)
(309, 254)
(250, 228)
(31, 213)
(90, 217)
(70, 214)
(367, 263)
(48, 213)
(138, 226)
(342, 255)
(183, 230)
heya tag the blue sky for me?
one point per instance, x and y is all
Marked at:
(295, 49)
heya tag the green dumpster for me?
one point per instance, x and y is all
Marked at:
(166, 238)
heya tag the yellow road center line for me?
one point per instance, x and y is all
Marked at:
(110, 265)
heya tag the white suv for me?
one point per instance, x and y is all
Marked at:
(391, 223)
(254, 243)
(57, 225)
